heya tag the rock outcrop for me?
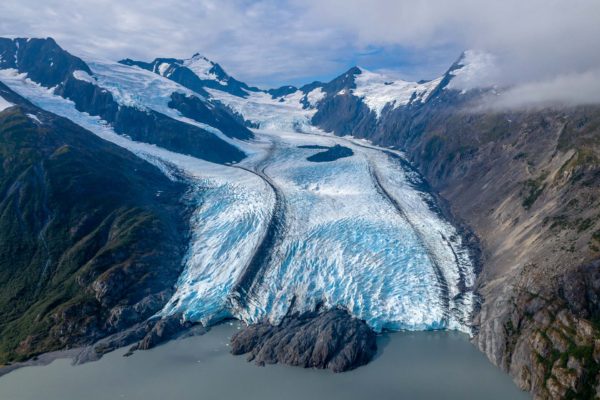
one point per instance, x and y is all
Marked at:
(331, 340)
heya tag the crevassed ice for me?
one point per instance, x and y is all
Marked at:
(231, 208)
(344, 243)
(226, 228)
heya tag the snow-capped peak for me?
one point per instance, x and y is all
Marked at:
(473, 69)
(378, 90)
(202, 67)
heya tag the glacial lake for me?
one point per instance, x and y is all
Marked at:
(411, 365)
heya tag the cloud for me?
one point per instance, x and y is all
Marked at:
(569, 89)
(530, 37)
(540, 48)
(261, 42)
(292, 41)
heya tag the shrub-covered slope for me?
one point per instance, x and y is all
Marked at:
(92, 236)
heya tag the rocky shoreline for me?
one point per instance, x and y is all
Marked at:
(330, 340)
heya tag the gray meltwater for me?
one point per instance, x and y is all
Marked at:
(415, 365)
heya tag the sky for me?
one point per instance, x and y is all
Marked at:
(539, 45)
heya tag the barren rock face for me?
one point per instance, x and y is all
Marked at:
(526, 182)
(332, 340)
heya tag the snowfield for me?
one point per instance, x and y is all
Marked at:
(283, 114)
(377, 90)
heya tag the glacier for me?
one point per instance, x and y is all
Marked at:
(278, 234)
(220, 197)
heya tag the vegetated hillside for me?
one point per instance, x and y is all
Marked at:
(92, 236)
(528, 183)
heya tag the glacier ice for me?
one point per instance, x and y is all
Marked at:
(230, 207)
(357, 232)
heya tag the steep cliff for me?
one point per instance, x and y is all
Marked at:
(528, 183)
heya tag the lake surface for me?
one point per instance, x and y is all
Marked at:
(413, 365)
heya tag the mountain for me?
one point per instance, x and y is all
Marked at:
(47, 64)
(350, 103)
(509, 194)
(91, 234)
(195, 73)
(525, 181)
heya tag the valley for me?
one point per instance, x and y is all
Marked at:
(321, 217)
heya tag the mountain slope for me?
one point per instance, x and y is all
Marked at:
(47, 64)
(196, 73)
(92, 235)
(527, 183)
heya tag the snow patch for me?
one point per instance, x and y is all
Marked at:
(202, 67)
(162, 68)
(83, 76)
(315, 96)
(34, 118)
(477, 69)
(4, 104)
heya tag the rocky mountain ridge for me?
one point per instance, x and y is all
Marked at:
(525, 181)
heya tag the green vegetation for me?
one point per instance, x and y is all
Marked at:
(73, 212)
(532, 189)
(584, 224)
(583, 353)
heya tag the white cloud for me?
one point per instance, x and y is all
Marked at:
(271, 41)
(258, 41)
(569, 89)
(540, 47)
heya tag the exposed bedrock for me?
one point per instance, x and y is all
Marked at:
(88, 246)
(527, 184)
(331, 340)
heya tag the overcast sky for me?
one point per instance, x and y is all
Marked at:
(269, 43)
